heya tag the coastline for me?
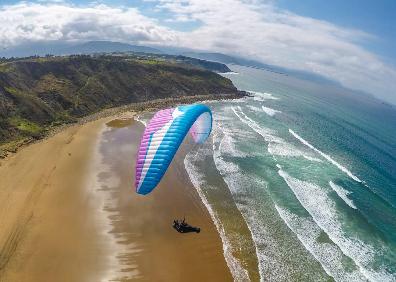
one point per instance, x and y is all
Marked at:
(50, 227)
(151, 250)
(13, 146)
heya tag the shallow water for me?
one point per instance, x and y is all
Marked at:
(312, 169)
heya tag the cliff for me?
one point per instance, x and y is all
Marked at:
(39, 93)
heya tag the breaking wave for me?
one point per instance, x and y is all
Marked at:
(287, 150)
(236, 181)
(343, 194)
(328, 254)
(323, 211)
(276, 145)
(198, 180)
(262, 96)
(269, 111)
(327, 157)
(267, 134)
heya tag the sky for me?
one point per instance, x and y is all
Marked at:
(352, 42)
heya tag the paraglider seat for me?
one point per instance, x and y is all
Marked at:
(182, 226)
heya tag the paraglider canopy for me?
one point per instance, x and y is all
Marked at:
(162, 138)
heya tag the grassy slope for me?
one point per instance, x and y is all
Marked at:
(39, 93)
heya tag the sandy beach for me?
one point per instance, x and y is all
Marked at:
(69, 212)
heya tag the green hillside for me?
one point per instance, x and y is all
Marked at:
(38, 93)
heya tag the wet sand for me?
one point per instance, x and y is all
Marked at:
(151, 249)
(68, 212)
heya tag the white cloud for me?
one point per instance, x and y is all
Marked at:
(260, 31)
(58, 21)
(248, 28)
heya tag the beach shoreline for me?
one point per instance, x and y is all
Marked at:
(143, 224)
(13, 146)
(50, 228)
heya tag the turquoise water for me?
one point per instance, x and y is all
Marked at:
(312, 169)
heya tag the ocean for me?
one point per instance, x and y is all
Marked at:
(311, 168)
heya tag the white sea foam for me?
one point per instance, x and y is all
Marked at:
(285, 149)
(323, 211)
(254, 108)
(312, 159)
(266, 133)
(262, 96)
(271, 261)
(343, 194)
(320, 207)
(276, 145)
(271, 265)
(269, 111)
(228, 145)
(327, 157)
(231, 175)
(327, 254)
(228, 127)
(197, 178)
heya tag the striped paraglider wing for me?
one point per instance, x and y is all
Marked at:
(162, 138)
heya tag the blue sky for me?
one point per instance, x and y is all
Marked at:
(349, 41)
(375, 17)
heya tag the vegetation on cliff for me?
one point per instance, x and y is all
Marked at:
(39, 93)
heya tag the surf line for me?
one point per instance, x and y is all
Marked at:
(238, 272)
(220, 164)
(343, 194)
(267, 134)
(269, 111)
(327, 157)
